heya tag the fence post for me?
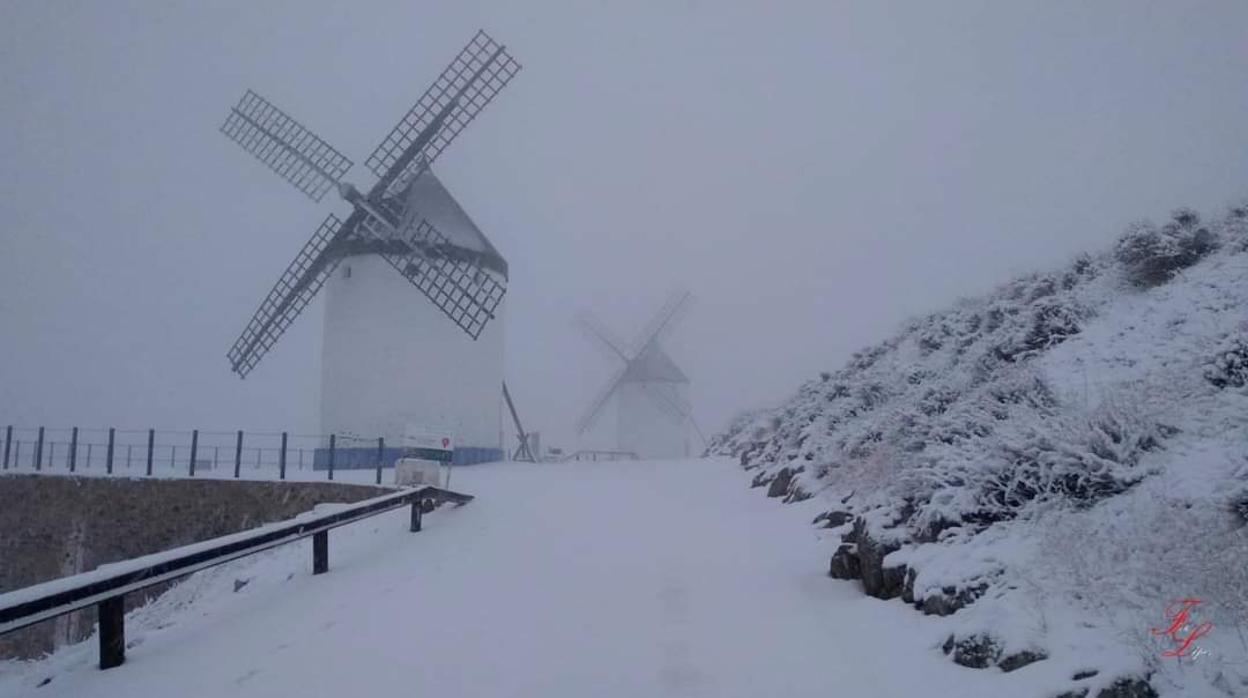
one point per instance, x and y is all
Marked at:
(332, 439)
(73, 449)
(194, 449)
(173, 457)
(112, 434)
(129, 455)
(216, 455)
(381, 449)
(281, 460)
(151, 448)
(8, 440)
(416, 506)
(39, 451)
(238, 453)
(88, 456)
(17, 453)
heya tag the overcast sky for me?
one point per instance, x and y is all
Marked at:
(816, 173)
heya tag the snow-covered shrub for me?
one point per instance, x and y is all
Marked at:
(1150, 256)
(1229, 366)
(1234, 228)
(1079, 460)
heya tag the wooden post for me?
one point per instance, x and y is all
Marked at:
(238, 453)
(151, 447)
(281, 460)
(194, 449)
(111, 613)
(8, 441)
(112, 434)
(39, 451)
(320, 552)
(381, 450)
(332, 439)
(73, 449)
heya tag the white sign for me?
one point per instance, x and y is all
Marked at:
(426, 438)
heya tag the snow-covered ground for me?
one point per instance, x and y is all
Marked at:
(580, 579)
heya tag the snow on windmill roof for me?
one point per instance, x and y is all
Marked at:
(653, 365)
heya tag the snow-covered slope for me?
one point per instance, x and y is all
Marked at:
(1056, 461)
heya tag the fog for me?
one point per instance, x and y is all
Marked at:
(815, 173)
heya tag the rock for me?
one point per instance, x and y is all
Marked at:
(1077, 693)
(240, 583)
(951, 600)
(976, 651)
(844, 563)
(876, 580)
(780, 483)
(1018, 660)
(833, 519)
(1132, 687)
(907, 590)
(760, 480)
(797, 494)
(1084, 674)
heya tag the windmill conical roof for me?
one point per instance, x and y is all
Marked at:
(653, 365)
(429, 198)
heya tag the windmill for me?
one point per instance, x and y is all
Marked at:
(392, 360)
(650, 392)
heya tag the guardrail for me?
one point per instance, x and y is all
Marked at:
(106, 588)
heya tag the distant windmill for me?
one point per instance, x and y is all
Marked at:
(390, 362)
(650, 392)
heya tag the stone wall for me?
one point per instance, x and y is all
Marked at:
(54, 526)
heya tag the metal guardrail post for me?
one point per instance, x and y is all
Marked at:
(8, 441)
(281, 460)
(112, 618)
(39, 451)
(112, 434)
(320, 552)
(332, 443)
(381, 450)
(194, 450)
(151, 449)
(238, 453)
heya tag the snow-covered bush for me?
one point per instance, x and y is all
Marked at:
(1150, 256)
(1229, 366)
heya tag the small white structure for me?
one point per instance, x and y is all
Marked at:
(650, 393)
(391, 359)
(416, 472)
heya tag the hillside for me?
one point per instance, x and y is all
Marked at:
(1053, 463)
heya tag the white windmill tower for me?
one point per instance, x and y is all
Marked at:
(392, 360)
(650, 392)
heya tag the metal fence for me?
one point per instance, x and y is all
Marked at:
(192, 453)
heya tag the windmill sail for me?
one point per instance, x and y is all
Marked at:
(285, 146)
(295, 288)
(471, 80)
(590, 417)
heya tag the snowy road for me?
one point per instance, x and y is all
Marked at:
(589, 579)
